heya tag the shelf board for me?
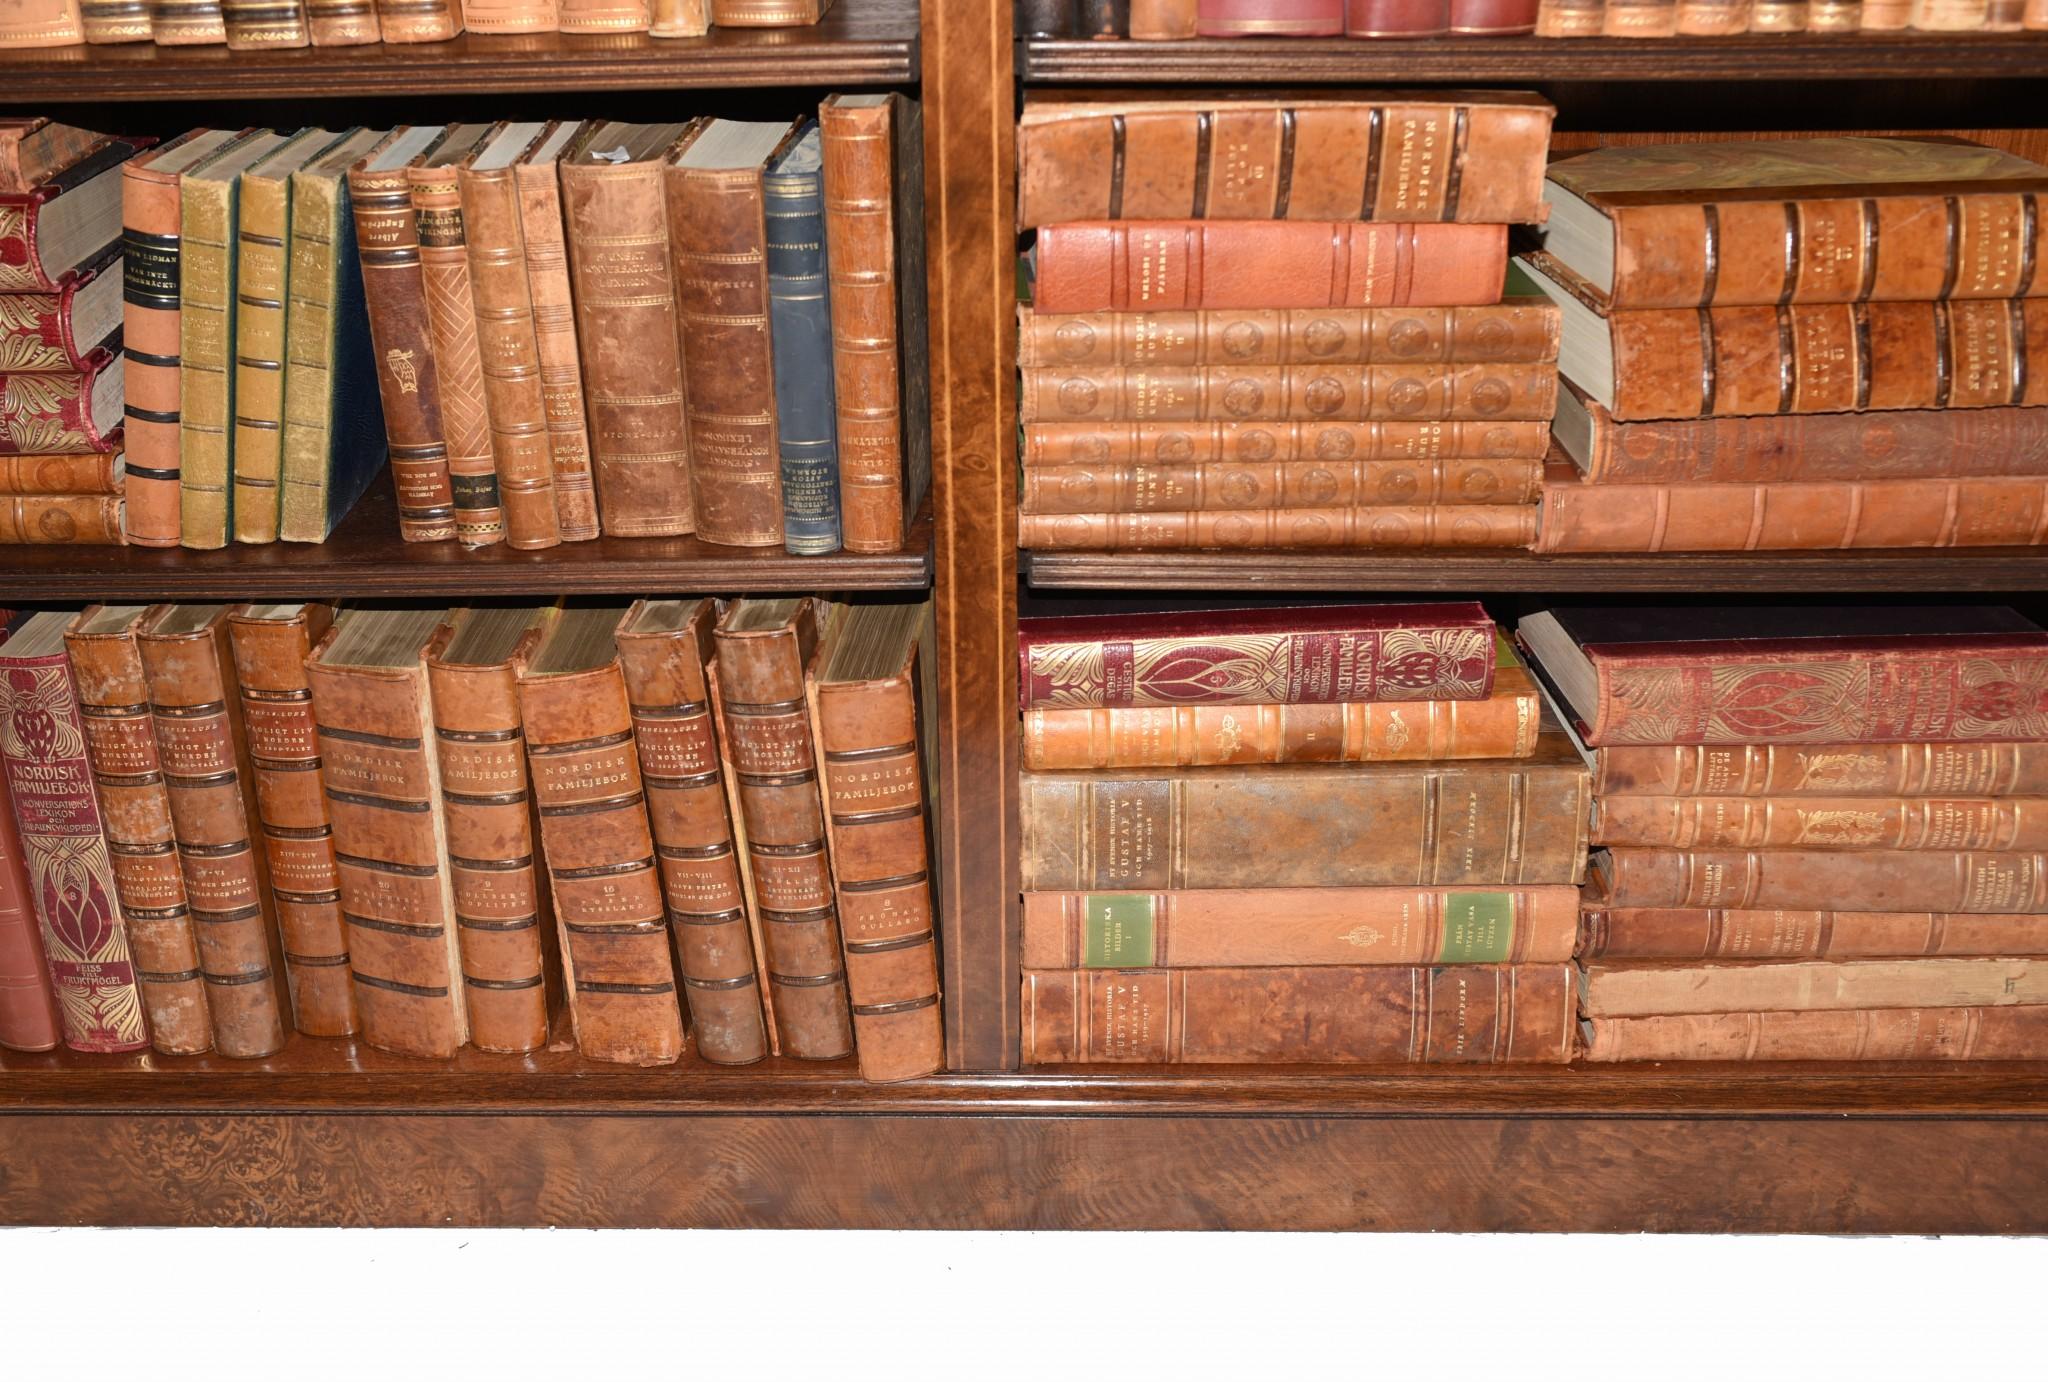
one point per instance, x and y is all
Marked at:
(1481, 61)
(365, 559)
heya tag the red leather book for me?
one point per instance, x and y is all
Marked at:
(1309, 656)
(1824, 770)
(58, 332)
(1272, 393)
(1268, 18)
(75, 413)
(1516, 331)
(35, 146)
(1355, 526)
(71, 219)
(1143, 488)
(1860, 1034)
(1941, 823)
(1396, 18)
(1493, 17)
(28, 1001)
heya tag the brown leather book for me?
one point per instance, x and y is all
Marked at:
(1261, 393)
(1823, 770)
(394, 289)
(1331, 826)
(1462, 525)
(33, 148)
(1182, 444)
(626, 329)
(1516, 331)
(1938, 823)
(511, 16)
(1657, 988)
(680, 19)
(1391, 1014)
(1862, 881)
(1457, 156)
(507, 350)
(616, 958)
(1229, 485)
(374, 710)
(767, 14)
(763, 648)
(451, 318)
(2036, 17)
(1718, 933)
(127, 775)
(1162, 20)
(29, 1020)
(473, 663)
(204, 750)
(103, 472)
(1639, 19)
(254, 24)
(1200, 929)
(271, 643)
(42, 24)
(1896, 1034)
(93, 520)
(342, 23)
(1570, 18)
(175, 22)
(1713, 18)
(554, 329)
(606, 16)
(665, 651)
(1155, 266)
(115, 21)
(419, 21)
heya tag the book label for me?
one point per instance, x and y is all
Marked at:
(1119, 931)
(1479, 928)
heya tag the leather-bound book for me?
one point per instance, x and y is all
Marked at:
(1059, 18)
(606, 16)
(874, 246)
(152, 286)
(29, 1020)
(342, 23)
(473, 664)
(626, 327)
(800, 317)
(1457, 156)
(394, 291)
(665, 652)
(1639, 19)
(2002, 16)
(374, 711)
(1158, 20)
(1656, 988)
(1268, 18)
(1940, 823)
(1299, 926)
(1713, 933)
(1791, 674)
(263, 277)
(176, 22)
(1139, 266)
(128, 778)
(76, 413)
(512, 16)
(1358, 526)
(1877, 880)
(1493, 18)
(63, 840)
(1836, 16)
(1179, 444)
(114, 21)
(767, 14)
(60, 332)
(209, 777)
(507, 351)
(451, 318)
(1275, 393)
(334, 432)
(1522, 330)
(1103, 18)
(2036, 17)
(1895, 1034)
(70, 219)
(718, 247)
(100, 473)
(1889, 15)
(1396, 18)
(271, 643)
(419, 21)
(872, 687)
(679, 19)
(616, 959)
(763, 648)
(1715, 18)
(1942, 16)
(1230, 485)
(265, 24)
(35, 147)
(1446, 1014)
(1823, 770)
(1777, 16)
(554, 329)
(1570, 18)
(61, 519)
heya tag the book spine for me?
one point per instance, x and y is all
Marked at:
(458, 367)
(1396, 18)
(1899, 1034)
(113, 704)
(1639, 19)
(29, 1020)
(1268, 18)
(1871, 881)
(1493, 18)
(1712, 18)
(1302, 484)
(1836, 446)
(1456, 1014)
(1102, 18)
(63, 842)
(1570, 18)
(32, 153)
(1392, 826)
(394, 290)
(54, 412)
(62, 519)
(600, 857)
(631, 353)
(174, 22)
(151, 287)
(511, 17)
(1159, 20)
(2002, 16)
(680, 19)
(718, 247)
(65, 476)
(1140, 266)
(291, 808)
(805, 405)
(265, 24)
(342, 23)
(1835, 16)
(1777, 16)
(207, 217)
(1824, 770)
(1942, 16)
(1179, 444)
(36, 335)
(419, 21)
(262, 269)
(1281, 393)
(767, 14)
(1662, 989)
(1888, 15)
(1226, 927)
(554, 331)
(1522, 332)
(606, 16)
(509, 357)
(114, 21)
(2036, 18)
(1938, 823)
(1382, 527)
(1703, 933)
(20, 215)
(1054, 18)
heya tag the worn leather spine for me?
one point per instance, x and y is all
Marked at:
(1181, 444)
(792, 190)
(1639, 19)
(1396, 18)
(55, 411)
(511, 17)
(394, 290)
(291, 808)
(255, 24)
(38, 331)
(1152, 266)
(208, 213)
(114, 21)
(62, 519)
(1939, 823)
(1658, 988)
(1715, 18)
(458, 367)
(1303, 484)
(1162, 21)
(1714, 933)
(151, 288)
(176, 22)
(554, 331)
(96, 473)
(1824, 770)
(1570, 18)
(606, 16)
(681, 769)
(1268, 18)
(29, 1020)
(1777, 16)
(1519, 331)
(600, 858)
(418, 21)
(1461, 525)
(509, 355)
(1866, 881)
(342, 23)
(1917, 1034)
(1450, 1014)
(1493, 18)
(679, 19)
(775, 14)
(263, 275)
(113, 696)
(1287, 393)
(1103, 18)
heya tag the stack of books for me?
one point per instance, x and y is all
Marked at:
(1824, 832)
(1167, 20)
(1340, 834)
(237, 821)
(1716, 18)
(1260, 324)
(1800, 343)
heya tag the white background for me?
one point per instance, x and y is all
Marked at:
(373, 1306)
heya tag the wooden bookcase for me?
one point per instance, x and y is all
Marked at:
(330, 1133)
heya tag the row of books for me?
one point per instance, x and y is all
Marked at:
(251, 24)
(1719, 18)
(429, 828)
(1168, 20)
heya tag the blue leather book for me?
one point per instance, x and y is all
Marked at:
(800, 325)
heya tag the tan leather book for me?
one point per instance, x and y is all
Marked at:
(1658, 988)
(512, 16)
(374, 710)
(612, 204)
(1823, 770)
(606, 16)
(2036, 17)
(1366, 526)
(207, 773)
(1459, 156)
(128, 778)
(1779, 933)
(1570, 18)
(254, 24)
(1777, 16)
(554, 329)
(451, 318)
(665, 652)
(271, 643)
(1229, 485)
(616, 960)
(1261, 393)
(767, 14)
(1516, 331)
(1888, 15)
(1447, 1014)
(763, 648)
(680, 18)
(342, 23)
(508, 353)
(1162, 20)
(1874, 880)
(1834, 16)
(1895, 1034)
(501, 917)
(871, 689)
(1712, 18)
(394, 288)
(34, 147)
(103, 472)
(1184, 444)
(1639, 19)
(1939, 823)
(62, 519)
(419, 21)
(115, 21)
(176, 22)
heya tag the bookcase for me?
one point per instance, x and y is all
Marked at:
(330, 1133)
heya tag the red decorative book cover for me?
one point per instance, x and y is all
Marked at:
(38, 331)
(28, 1005)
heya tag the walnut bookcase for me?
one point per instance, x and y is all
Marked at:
(326, 1132)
